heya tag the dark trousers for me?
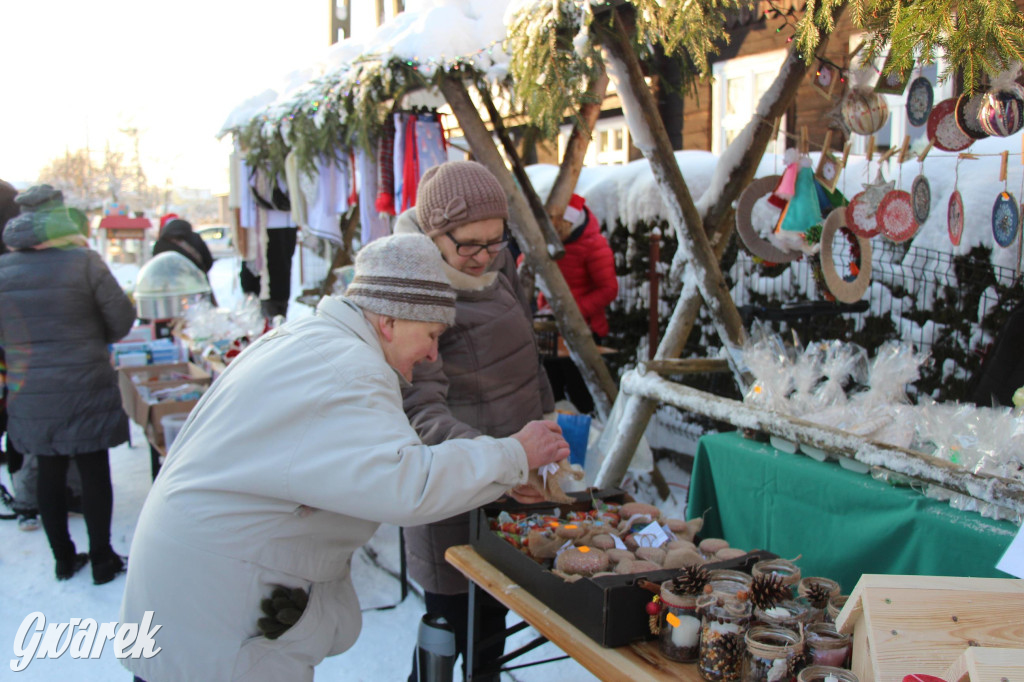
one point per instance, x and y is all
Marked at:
(280, 251)
(455, 609)
(97, 502)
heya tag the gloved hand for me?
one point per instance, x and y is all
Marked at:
(283, 609)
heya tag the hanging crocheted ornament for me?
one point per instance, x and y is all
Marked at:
(967, 108)
(1005, 219)
(845, 288)
(921, 198)
(865, 110)
(748, 208)
(919, 101)
(895, 216)
(801, 213)
(943, 131)
(1002, 110)
(860, 213)
(955, 218)
(786, 188)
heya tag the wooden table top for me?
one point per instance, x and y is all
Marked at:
(637, 661)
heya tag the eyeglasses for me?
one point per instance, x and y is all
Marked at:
(470, 250)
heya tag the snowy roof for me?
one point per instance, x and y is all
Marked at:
(429, 34)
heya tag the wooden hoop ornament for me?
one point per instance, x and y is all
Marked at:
(756, 244)
(846, 291)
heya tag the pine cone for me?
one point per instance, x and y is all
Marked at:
(818, 595)
(282, 610)
(802, 659)
(691, 580)
(767, 590)
(733, 649)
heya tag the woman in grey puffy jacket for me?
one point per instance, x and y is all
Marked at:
(488, 379)
(61, 307)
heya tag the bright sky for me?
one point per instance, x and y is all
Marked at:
(77, 72)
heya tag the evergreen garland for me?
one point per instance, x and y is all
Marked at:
(551, 77)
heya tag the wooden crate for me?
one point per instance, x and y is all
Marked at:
(904, 624)
(985, 664)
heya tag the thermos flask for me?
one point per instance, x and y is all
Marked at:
(435, 650)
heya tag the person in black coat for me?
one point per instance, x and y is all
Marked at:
(1002, 372)
(61, 308)
(177, 235)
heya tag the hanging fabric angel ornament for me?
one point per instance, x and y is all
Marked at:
(786, 188)
(801, 213)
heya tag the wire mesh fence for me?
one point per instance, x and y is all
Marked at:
(949, 306)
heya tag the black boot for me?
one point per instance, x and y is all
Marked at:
(68, 567)
(105, 570)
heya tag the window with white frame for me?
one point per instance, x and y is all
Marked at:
(609, 145)
(738, 86)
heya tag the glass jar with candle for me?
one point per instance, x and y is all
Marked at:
(817, 591)
(679, 639)
(723, 624)
(787, 570)
(826, 646)
(792, 614)
(825, 673)
(835, 605)
(728, 582)
(771, 654)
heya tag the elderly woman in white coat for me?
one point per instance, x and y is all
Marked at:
(288, 465)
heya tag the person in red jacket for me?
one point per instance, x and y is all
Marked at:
(589, 269)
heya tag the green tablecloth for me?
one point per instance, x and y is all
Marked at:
(842, 523)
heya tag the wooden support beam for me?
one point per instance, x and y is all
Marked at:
(576, 149)
(555, 248)
(670, 366)
(702, 265)
(1005, 492)
(570, 322)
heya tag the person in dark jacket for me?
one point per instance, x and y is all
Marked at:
(177, 235)
(1002, 373)
(488, 379)
(61, 307)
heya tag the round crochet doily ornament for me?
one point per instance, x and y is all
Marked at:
(919, 101)
(955, 218)
(851, 288)
(1005, 219)
(859, 218)
(943, 131)
(895, 216)
(921, 198)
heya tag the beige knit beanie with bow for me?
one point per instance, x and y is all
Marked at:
(456, 193)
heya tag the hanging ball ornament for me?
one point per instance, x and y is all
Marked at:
(1002, 110)
(865, 110)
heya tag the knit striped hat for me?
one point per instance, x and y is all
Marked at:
(456, 193)
(402, 276)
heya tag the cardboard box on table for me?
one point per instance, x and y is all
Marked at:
(146, 415)
(954, 628)
(608, 609)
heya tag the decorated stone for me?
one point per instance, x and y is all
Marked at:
(955, 218)
(967, 108)
(921, 198)
(1005, 219)
(895, 216)
(943, 131)
(865, 111)
(919, 101)
(1002, 111)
